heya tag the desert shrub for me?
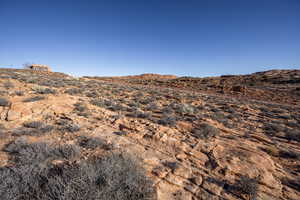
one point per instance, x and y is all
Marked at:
(167, 110)
(19, 93)
(98, 102)
(113, 177)
(146, 101)
(185, 109)
(4, 92)
(244, 186)
(92, 94)
(152, 106)
(72, 127)
(25, 131)
(289, 154)
(248, 186)
(29, 153)
(46, 128)
(2, 131)
(205, 131)
(33, 131)
(134, 104)
(74, 91)
(292, 135)
(8, 85)
(167, 120)
(81, 109)
(139, 114)
(108, 104)
(271, 150)
(31, 80)
(33, 128)
(292, 183)
(116, 107)
(67, 125)
(4, 102)
(33, 99)
(92, 143)
(33, 124)
(293, 124)
(43, 90)
(272, 128)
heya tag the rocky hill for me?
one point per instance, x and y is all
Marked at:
(149, 137)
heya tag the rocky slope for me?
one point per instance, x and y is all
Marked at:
(224, 137)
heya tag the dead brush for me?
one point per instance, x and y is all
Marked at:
(36, 176)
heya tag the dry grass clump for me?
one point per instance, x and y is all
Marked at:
(74, 91)
(205, 131)
(65, 125)
(43, 90)
(81, 109)
(35, 175)
(92, 143)
(33, 99)
(244, 188)
(4, 102)
(167, 120)
(33, 128)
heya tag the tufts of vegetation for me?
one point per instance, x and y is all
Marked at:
(248, 186)
(74, 91)
(19, 93)
(92, 143)
(67, 126)
(30, 153)
(139, 114)
(36, 175)
(81, 109)
(33, 124)
(4, 102)
(33, 99)
(8, 85)
(167, 120)
(245, 186)
(289, 154)
(292, 135)
(185, 109)
(2, 132)
(292, 183)
(43, 90)
(152, 106)
(205, 131)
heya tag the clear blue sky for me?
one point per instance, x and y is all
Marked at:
(121, 37)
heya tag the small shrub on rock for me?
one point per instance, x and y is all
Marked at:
(8, 85)
(19, 93)
(33, 128)
(33, 124)
(33, 99)
(74, 91)
(36, 176)
(248, 186)
(68, 126)
(292, 135)
(4, 102)
(205, 131)
(167, 120)
(92, 143)
(44, 90)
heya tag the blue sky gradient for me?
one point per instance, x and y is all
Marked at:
(125, 37)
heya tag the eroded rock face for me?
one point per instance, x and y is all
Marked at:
(222, 148)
